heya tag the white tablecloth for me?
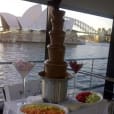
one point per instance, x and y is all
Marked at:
(11, 107)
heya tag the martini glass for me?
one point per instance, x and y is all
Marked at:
(23, 68)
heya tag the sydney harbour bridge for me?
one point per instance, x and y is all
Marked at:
(85, 28)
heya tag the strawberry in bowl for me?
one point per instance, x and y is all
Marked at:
(88, 97)
(81, 97)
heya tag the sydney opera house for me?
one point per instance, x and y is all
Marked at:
(30, 27)
(34, 18)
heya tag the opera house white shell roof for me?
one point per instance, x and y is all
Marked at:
(11, 20)
(33, 19)
(30, 16)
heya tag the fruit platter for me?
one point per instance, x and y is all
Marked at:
(88, 97)
(42, 108)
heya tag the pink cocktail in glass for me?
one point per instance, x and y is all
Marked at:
(23, 67)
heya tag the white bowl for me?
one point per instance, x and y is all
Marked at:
(85, 103)
(48, 104)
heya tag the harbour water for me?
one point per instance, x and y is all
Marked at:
(35, 52)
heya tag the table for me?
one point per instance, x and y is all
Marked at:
(11, 107)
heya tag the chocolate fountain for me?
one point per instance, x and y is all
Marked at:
(55, 76)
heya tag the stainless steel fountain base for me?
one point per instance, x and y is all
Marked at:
(54, 90)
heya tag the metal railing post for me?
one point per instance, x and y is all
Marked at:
(91, 77)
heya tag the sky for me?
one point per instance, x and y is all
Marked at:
(18, 7)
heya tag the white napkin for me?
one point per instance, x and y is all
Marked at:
(34, 99)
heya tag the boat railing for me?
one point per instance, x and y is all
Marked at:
(88, 70)
(95, 79)
(91, 66)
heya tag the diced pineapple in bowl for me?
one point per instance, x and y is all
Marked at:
(89, 97)
(42, 108)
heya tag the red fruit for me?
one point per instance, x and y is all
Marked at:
(82, 96)
(75, 66)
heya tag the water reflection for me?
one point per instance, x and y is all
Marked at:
(35, 51)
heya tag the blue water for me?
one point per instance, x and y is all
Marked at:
(90, 50)
(35, 51)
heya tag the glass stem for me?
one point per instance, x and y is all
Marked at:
(24, 81)
(74, 83)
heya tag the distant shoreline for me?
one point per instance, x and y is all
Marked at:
(36, 37)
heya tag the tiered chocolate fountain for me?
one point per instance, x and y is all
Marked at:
(54, 82)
